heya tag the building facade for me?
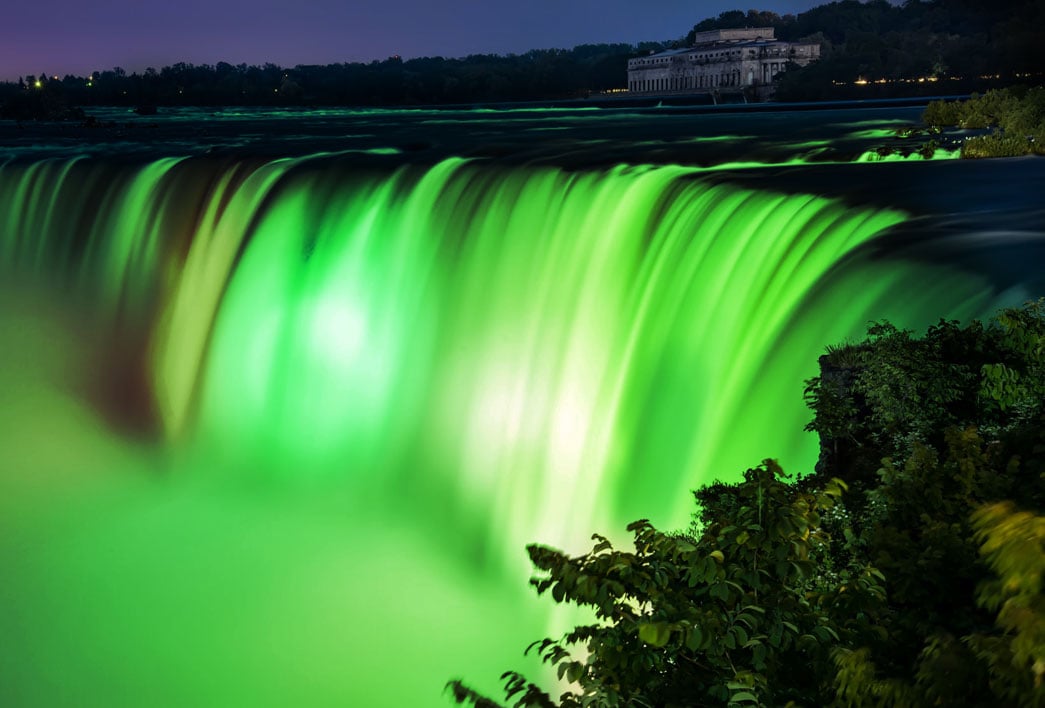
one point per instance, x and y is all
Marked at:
(734, 60)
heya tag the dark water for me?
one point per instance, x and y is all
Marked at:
(575, 137)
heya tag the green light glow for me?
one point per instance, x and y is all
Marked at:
(873, 133)
(373, 390)
(198, 284)
(940, 154)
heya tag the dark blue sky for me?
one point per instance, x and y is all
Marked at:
(79, 36)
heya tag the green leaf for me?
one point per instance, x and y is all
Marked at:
(759, 654)
(747, 619)
(558, 592)
(655, 634)
(695, 639)
(743, 697)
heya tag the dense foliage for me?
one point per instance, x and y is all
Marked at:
(910, 48)
(907, 570)
(1016, 116)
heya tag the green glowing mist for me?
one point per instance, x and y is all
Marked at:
(547, 349)
(374, 389)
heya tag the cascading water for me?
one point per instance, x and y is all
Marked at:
(374, 387)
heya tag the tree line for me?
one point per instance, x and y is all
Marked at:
(927, 47)
(920, 47)
(536, 75)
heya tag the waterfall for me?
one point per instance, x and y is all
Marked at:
(534, 337)
(486, 355)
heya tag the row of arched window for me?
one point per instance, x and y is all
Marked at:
(705, 81)
(681, 83)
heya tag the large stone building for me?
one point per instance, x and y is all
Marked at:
(724, 61)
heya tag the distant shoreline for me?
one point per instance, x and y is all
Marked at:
(694, 103)
(697, 103)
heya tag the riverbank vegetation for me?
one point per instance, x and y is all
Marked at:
(906, 570)
(1015, 117)
(1000, 123)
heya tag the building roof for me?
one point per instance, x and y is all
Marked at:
(670, 52)
(733, 35)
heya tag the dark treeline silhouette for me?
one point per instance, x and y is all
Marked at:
(535, 75)
(970, 44)
(952, 46)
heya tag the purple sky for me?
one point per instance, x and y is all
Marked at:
(79, 36)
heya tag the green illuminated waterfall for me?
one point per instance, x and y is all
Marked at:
(448, 362)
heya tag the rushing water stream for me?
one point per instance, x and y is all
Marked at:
(277, 424)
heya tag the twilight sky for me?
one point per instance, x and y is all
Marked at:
(79, 36)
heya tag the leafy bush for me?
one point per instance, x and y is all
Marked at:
(1017, 116)
(996, 145)
(1013, 544)
(733, 611)
(939, 114)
